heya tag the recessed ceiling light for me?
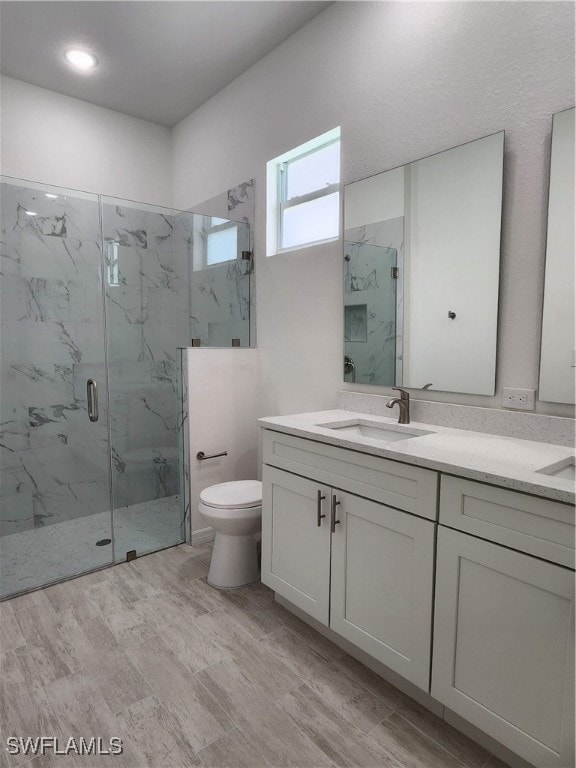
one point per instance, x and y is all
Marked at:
(50, 196)
(31, 213)
(81, 60)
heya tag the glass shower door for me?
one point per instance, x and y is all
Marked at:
(55, 518)
(147, 320)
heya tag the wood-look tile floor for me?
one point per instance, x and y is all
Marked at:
(187, 675)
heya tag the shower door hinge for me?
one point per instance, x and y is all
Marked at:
(394, 273)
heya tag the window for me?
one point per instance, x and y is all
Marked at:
(221, 241)
(304, 194)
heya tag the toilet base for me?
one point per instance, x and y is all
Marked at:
(234, 561)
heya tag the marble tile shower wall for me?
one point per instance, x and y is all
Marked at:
(53, 460)
(376, 344)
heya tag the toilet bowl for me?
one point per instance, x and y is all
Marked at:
(234, 511)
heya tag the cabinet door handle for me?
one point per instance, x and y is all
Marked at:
(333, 521)
(319, 514)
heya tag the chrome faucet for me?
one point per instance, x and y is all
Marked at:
(404, 403)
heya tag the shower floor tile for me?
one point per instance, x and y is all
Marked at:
(147, 526)
(31, 558)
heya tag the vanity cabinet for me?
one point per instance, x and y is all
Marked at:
(362, 567)
(416, 560)
(504, 620)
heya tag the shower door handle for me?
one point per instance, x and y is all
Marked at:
(92, 392)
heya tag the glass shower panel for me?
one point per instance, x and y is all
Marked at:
(147, 320)
(55, 517)
(371, 311)
(217, 254)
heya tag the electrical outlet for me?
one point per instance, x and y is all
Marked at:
(519, 399)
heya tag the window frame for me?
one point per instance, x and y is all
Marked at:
(284, 203)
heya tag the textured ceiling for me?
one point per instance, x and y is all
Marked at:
(158, 60)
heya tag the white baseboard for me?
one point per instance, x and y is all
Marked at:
(203, 536)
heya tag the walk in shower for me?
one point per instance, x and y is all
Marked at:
(99, 300)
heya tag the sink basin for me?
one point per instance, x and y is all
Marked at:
(565, 469)
(375, 430)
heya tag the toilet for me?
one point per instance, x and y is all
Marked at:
(234, 511)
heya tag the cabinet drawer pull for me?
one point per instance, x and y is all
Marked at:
(333, 521)
(319, 514)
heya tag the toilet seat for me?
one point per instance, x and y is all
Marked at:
(238, 494)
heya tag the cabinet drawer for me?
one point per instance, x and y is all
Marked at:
(530, 524)
(399, 485)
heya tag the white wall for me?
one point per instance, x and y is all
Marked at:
(223, 397)
(403, 80)
(58, 140)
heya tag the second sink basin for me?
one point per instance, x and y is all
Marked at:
(565, 469)
(375, 430)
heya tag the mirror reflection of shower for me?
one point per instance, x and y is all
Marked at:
(370, 312)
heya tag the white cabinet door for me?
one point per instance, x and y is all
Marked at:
(296, 541)
(504, 646)
(382, 584)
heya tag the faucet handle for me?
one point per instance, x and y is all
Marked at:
(403, 394)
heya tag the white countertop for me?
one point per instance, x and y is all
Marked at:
(504, 461)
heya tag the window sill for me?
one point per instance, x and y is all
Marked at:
(303, 247)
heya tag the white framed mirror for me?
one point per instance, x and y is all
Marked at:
(421, 271)
(557, 353)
